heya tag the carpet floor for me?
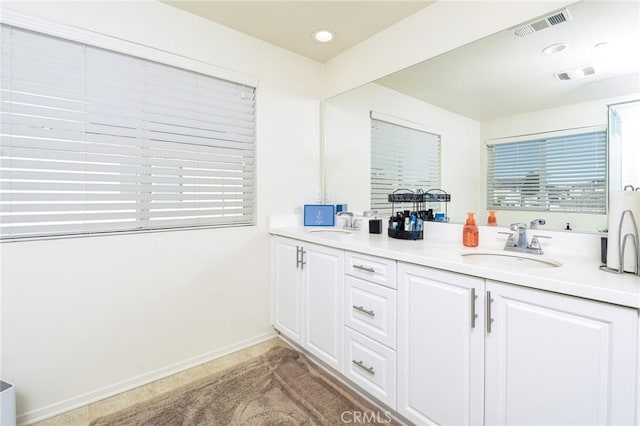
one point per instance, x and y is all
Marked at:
(281, 387)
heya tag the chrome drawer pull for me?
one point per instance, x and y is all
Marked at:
(473, 308)
(364, 268)
(364, 311)
(360, 364)
(488, 309)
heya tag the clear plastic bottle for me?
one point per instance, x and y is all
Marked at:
(470, 232)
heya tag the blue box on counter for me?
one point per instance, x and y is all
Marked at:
(319, 215)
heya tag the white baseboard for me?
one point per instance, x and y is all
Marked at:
(58, 408)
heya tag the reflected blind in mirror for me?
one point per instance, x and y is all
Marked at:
(401, 158)
(556, 174)
(96, 141)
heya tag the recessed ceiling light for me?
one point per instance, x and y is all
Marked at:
(555, 48)
(323, 36)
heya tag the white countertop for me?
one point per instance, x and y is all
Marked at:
(579, 274)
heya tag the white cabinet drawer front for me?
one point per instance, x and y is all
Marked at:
(371, 365)
(371, 310)
(375, 269)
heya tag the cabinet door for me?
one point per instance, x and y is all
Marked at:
(323, 303)
(287, 288)
(553, 359)
(440, 346)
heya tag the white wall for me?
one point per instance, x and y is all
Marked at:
(348, 147)
(83, 318)
(584, 114)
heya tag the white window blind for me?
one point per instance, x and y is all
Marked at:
(558, 174)
(401, 158)
(97, 141)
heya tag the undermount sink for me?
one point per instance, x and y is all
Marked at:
(511, 260)
(330, 233)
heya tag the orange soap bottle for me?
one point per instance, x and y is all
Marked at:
(470, 232)
(491, 220)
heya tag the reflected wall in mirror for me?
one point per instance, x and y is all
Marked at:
(497, 87)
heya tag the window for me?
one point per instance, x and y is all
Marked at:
(401, 158)
(624, 149)
(565, 173)
(96, 141)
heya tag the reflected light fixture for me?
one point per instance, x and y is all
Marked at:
(323, 36)
(576, 73)
(555, 48)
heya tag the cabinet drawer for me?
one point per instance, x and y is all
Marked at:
(371, 310)
(371, 366)
(375, 269)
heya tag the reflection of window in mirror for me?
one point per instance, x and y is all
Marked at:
(562, 171)
(401, 158)
(624, 145)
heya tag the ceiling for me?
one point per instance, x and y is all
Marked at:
(290, 24)
(496, 76)
(503, 75)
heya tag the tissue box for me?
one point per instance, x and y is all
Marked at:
(319, 215)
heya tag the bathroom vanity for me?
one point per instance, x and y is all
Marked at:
(443, 337)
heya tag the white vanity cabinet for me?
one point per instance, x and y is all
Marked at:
(308, 286)
(532, 357)
(440, 346)
(556, 359)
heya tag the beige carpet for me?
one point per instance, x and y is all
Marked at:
(281, 387)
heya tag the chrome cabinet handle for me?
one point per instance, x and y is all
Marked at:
(364, 311)
(302, 253)
(300, 257)
(473, 308)
(489, 319)
(361, 364)
(364, 268)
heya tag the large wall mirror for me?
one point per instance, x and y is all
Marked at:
(505, 87)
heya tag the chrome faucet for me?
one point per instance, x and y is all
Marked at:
(521, 229)
(350, 222)
(535, 223)
(517, 240)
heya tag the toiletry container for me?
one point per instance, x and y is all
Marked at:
(470, 232)
(375, 226)
(491, 220)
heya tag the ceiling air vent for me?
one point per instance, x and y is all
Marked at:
(541, 24)
(575, 73)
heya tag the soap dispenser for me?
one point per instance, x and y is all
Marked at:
(470, 232)
(491, 220)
